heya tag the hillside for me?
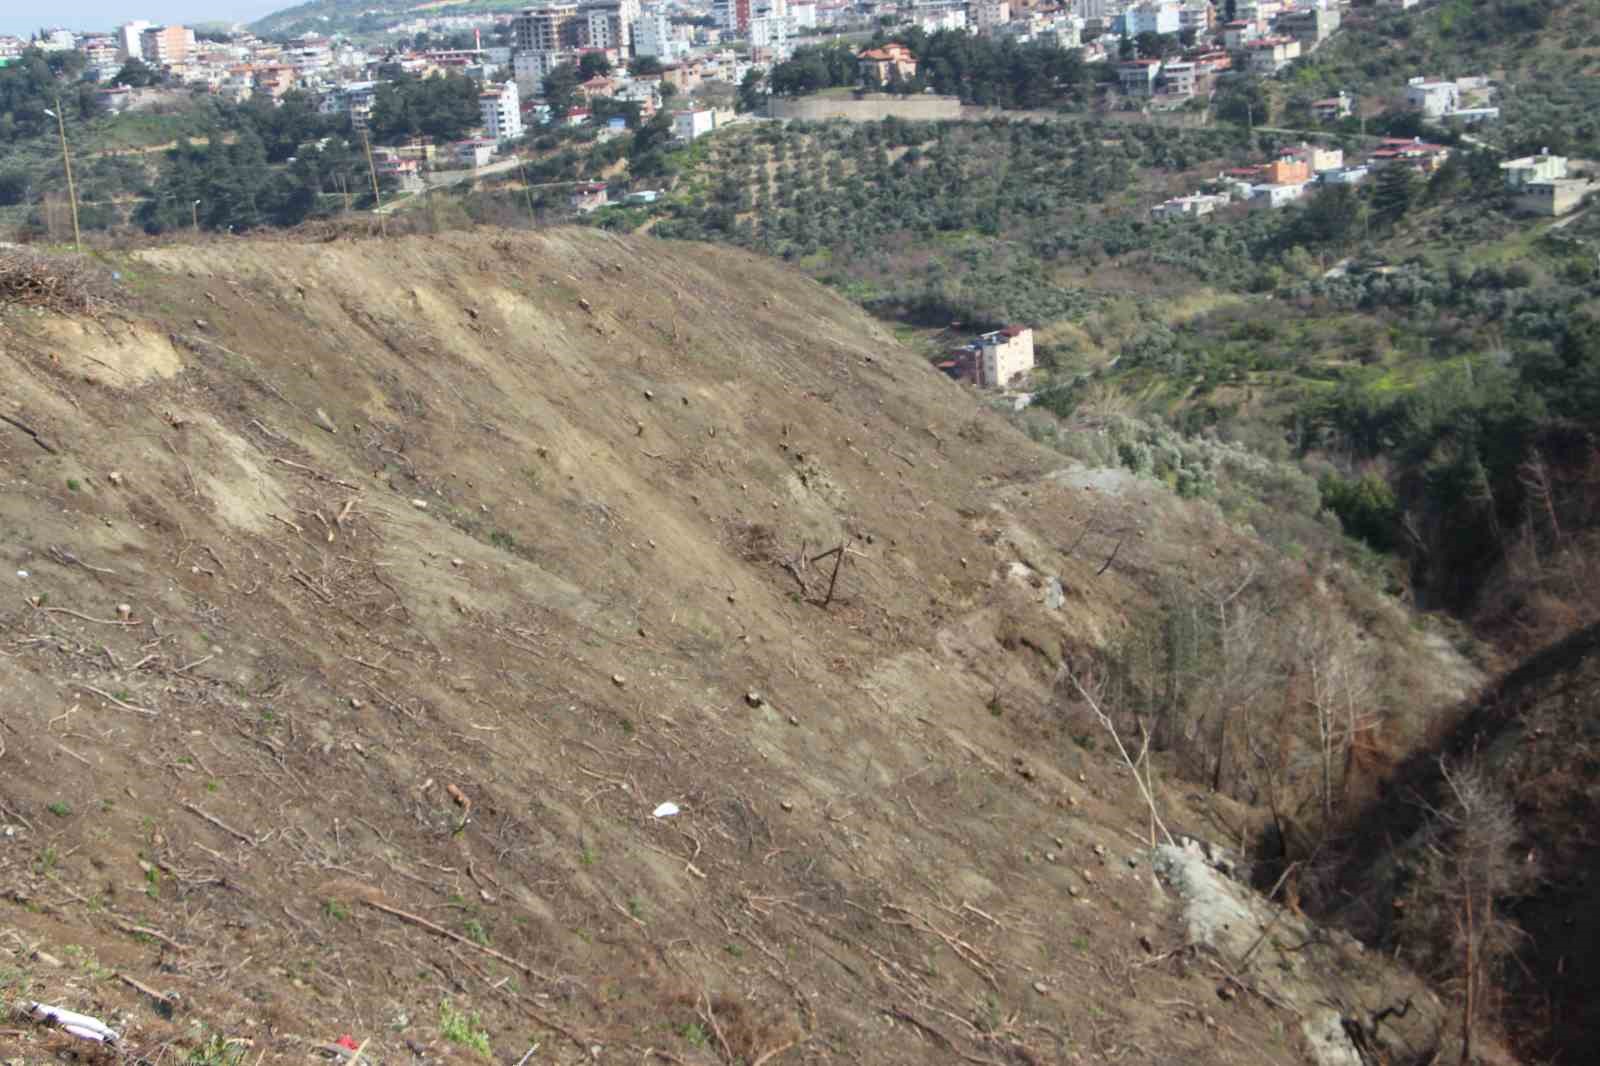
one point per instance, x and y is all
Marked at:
(368, 598)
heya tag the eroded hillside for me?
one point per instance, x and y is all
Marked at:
(365, 601)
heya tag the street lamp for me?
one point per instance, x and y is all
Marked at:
(66, 163)
(194, 212)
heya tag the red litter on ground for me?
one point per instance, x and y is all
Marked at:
(348, 1042)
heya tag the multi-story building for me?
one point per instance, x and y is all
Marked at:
(1310, 26)
(1434, 99)
(985, 15)
(653, 36)
(552, 27)
(994, 360)
(732, 15)
(354, 99)
(1200, 16)
(531, 68)
(770, 32)
(56, 40)
(128, 37)
(100, 53)
(166, 46)
(500, 107)
(10, 48)
(1152, 17)
(933, 18)
(608, 23)
(1268, 55)
(1138, 76)
(1178, 78)
(802, 16)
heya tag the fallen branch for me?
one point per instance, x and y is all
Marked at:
(439, 930)
(220, 824)
(1133, 768)
(935, 1035)
(1110, 558)
(147, 712)
(30, 431)
(86, 618)
(315, 473)
(145, 930)
(137, 986)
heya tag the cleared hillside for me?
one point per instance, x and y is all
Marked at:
(367, 598)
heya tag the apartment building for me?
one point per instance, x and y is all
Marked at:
(500, 108)
(166, 46)
(551, 27)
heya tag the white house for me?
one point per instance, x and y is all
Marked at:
(1534, 168)
(1195, 206)
(501, 110)
(1434, 99)
(1268, 55)
(1275, 196)
(688, 125)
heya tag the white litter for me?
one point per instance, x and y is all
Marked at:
(22, 573)
(666, 810)
(79, 1025)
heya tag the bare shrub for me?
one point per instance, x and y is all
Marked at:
(1453, 916)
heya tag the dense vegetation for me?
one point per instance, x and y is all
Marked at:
(442, 108)
(979, 70)
(36, 82)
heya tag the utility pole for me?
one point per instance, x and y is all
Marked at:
(66, 164)
(377, 197)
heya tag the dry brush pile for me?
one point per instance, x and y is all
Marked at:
(52, 282)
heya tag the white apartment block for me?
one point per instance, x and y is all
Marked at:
(767, 31)
(501, 110)
(653, 36)
(129, 35)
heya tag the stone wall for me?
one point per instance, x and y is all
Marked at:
(870, 107)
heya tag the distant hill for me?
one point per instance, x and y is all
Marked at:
(366, 16)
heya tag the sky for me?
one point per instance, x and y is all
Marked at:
(23, 17)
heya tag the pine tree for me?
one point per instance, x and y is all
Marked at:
(1395, 194)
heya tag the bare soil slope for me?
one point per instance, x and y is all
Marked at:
(363, 601)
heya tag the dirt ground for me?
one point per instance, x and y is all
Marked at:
(364, 600)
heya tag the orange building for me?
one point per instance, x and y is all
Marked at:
(1288, 171)
(891, 63)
